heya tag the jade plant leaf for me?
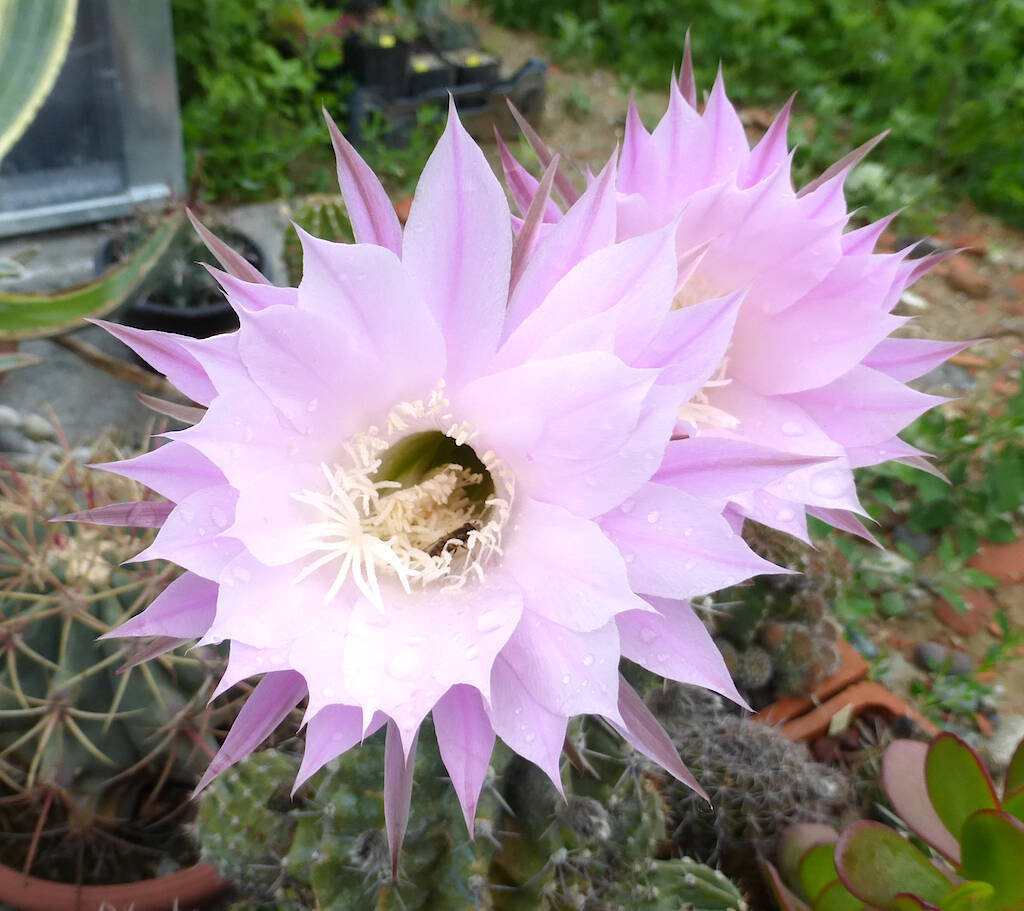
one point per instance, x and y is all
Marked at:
(797, 841)
(1015, 771)
(993, 852)
(1014, 805)
(970, 896)
(958, 784)
(818, 870)
(25, 316)
(903, 777)
(783, 896)
(34, 41)
(836, 897)
(876, 864)
(912, 903)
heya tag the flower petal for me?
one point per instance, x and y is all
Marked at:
(398, 775)
(185, 609)
(465, 740)
(333, 730)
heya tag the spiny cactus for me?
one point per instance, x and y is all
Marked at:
(90, 758)
(759, 782)
(322, 215)
(532, 850)
(777, 637)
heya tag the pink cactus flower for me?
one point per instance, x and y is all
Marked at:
(810, 368)
(426, 481)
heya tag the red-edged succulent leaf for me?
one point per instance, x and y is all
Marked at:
(904, 902)
(903, 777)
(1014, 805)
(818, 871)
(797, 841)
(993, 852)
(876, 864)
(958, 784)
(1015, 771)
(785, 899)
(836, 897)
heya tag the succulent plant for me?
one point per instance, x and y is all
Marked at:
(532, 850)
(95, 754)
(947, 799)
(323, 215)
(759, 783)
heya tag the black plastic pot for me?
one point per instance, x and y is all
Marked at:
(474, 66)
(381, 67)
(427, 73)
(181, 297)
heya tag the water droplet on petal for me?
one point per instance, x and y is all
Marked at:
(785, 515)
(629, 558)
(687, 532)
(628, 506)
(186, 512)
(312, 405)
(588, 660)
(219, 517)
(472, 652)
(405, 663)
(652, 517)
(793, 428)
(235, 450)
(829, 482)
(565, 679)
(530, 737)
(648, 635)
(243, 575)
(248, 435)
(489, 622)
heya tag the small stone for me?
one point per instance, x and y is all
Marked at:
(931, 656)
(961, 664)
(37, 428)
(918, 541)
(1001, 745)
(9, 417)
(963, 276)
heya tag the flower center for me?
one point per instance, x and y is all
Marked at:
(414, 502)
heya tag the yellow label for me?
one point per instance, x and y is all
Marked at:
(474, 60)
(420, 66)
(387, 40)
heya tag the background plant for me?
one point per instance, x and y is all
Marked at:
(941, 74)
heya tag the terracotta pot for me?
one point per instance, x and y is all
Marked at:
(187, 889)
(809, 718)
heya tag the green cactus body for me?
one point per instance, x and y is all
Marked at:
(93, 751)
(672, 885)
(323, 216)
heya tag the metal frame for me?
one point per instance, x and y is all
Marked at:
(153, 159)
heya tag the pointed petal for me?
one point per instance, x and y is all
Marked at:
(524, 724)
(398, 775)
(845, 164)
(677, 547)
(236, 264)
(563, 185)
(523, 186)
(185, 609)
(713, 468)
(844, 521)
(687, 80)
(151, 649)
(785, 515)
(643, 732)
(184, 413)
(771, 152)
(144, 514)
(672, 642)
(173, 470)
(728, 140)
(248, 295)
(527, 237)
(863, 240)
(638, 152)
(465, 740)
(267, 706)
(458, 248)
(332, 731)
(370, 211)
(906, 359)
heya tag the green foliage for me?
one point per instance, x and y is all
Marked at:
(92, 751)
(253, 76)
(968, 842)
(322, 215)
(941, 74)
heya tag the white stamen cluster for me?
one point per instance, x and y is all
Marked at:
(699, 411)
(429, 532)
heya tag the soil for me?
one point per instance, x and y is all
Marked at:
(978, 294)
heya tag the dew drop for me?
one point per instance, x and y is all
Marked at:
(588, 660)
(472, 652)
(219, 517)
(687, 532)
(328, 692)
(628, 506)
(661, 656)
(518, 710)
(243, 575)
(202, 532)
(793, 428)
(404, 664)
(653, 517)
(829, 483)
(530, 737)
(648, 635)
(489, 622)
(312, 405)
(785, 515)
(565, 679)
(187, 513)
(248, 435)
(236, 451)
(629, 558)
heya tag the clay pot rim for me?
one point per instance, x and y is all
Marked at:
(190, 887)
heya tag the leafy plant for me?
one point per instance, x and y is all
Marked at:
(33, 43)
(974, 840)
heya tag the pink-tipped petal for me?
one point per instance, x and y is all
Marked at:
(844, 521)
(173, 470)
(235, 264)
(563, 185)
(267, 706)
(906, 359)
(370, 211)
(845, 164)
(642, 731)
(184, 610)
(524, 724)
(399, 765)
(771, 152)
(246, 296)
(687, 80)
(144, 514)
(151, 649)
(523, 186)
(184, 413)
(529, 233)
(672, 642)
(332, 731)
(465, 740)
(457, 248)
